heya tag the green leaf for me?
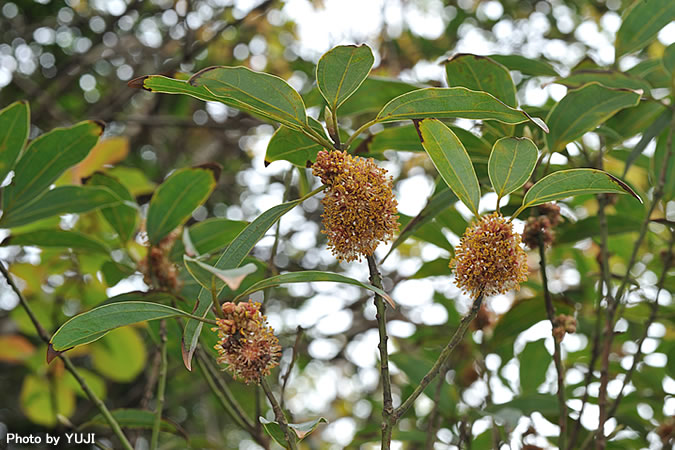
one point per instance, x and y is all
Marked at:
(14, 128)
(568, 233)
(309, 276)
(40, 399)
(533, 67)
(260, 93)
(175, 200)
(451, 160)
(290, 145)
(668, 59)
(96, 323)
(641, 23)
(511, 163)
(451, 103)
(210, 236)
(231, 258)
(59, 239)
(480, 73)
(46, 158)
(60, 200)
(534, 361)
(658, 161)
(164, 85)
(340, 72)
(302, 430)
(134, 418)
(582, 110)
(231, 277)
(607, 78)
(114, 272)
(121, 217)
(525, 405)
(571, 182)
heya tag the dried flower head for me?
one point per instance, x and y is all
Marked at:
(359, 206)
(158, 268)
(246, 343)
(489, 258)
(543, 225)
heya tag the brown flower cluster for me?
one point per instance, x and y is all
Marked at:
(542, 224)
(489, 258)
(563, 324)
(158, 265)
(246, 343)
(359, 206)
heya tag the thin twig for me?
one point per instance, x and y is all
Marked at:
(387, 405)
(294, 357)
(442, 358)
(161, 387)
(114, 425)
(652, 317)
(557, 356)
(279, 415)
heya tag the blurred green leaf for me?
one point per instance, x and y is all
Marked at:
(175, 200)
(121, 217)
(451, 160)
(14, 128)
(120, 355)
(534, 67)
(435, 205)
(58, 238)
(134, 419)
(480, 73)
(340, 72)
(607, 78)
(46, 158)
(568, 233)
(40, 399)
(582, 110)
(301, 430)
(511, 163)
(641, 22)
(60, 200)
(534, 362)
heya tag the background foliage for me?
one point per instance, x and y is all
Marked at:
(71, 62)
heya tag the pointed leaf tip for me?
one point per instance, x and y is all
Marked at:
(51, 353)
(138, 83)
(187, 356)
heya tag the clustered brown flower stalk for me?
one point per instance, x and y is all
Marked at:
(158, 265)
(563, 324)
(489, 259)
(542, 224)
(246, 343)
(359, 206)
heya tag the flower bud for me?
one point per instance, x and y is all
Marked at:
(489, 258)
(246, 343)
(359, 206)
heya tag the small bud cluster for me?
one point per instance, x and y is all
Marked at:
(542, 225)
(563, 324)
(158, 265)
(246, 343)
(359, 206)
(489, 258)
